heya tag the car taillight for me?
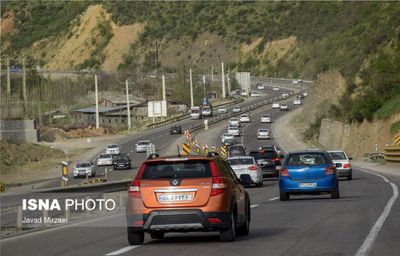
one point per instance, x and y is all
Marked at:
(134, 189)
(284, 172)
(276, 159)
(253, 168)
(329, 170)
(346, 165)
(214, 220)
(218, 183)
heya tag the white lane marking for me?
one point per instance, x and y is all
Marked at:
(368, 243)
(273, 199)
(123, 250)
(253, 205)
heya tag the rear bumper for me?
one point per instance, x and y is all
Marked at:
(262, 137)
(327, 184)
(178, 221)
(343, 172)
(269, 171)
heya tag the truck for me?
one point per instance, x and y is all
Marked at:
(206, 110)
(196, 113)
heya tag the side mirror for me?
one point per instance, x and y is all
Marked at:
(245, 179)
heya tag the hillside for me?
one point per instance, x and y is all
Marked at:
(358, 40)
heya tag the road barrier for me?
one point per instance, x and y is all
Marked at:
(392, 153)
(397, 139)
(185, 149)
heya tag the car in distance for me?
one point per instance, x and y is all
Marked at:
(275, 88)
(142, 146)
(122, 162)
(284, 107)
(305, 94)
(187, 193)
(285, 94)
(104, 159)
(244, 118)
(260, 86)
(236, 109)
(230, 142)
(237, 150)
(195, 113)
(222, 110)
(269, 161)
(276, 105)
(234, 121)
(255, 94)
(265, 118)
(246, 165)
(226, 136)
(342, 163)
(84, 168)
(297, 101)
(263, 133)
(175, 129)
(234, 130)
(308, 172)
(113, 149)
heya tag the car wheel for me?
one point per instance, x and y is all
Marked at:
(229, 234)
(157, 235)
(244, 230)
(350, 177)
(135, 237)
(335, 193)
(283, 196)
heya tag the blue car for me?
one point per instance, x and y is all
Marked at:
(308, 172)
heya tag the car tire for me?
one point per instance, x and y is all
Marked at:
(350, 177)
(229, 234)
(335, 193)
(283, 196)
(244, 230)
(135, 237)
(157, 235)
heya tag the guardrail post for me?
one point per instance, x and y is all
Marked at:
(19, 217)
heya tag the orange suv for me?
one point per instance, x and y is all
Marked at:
(187, 193)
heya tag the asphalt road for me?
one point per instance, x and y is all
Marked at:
(306, 225)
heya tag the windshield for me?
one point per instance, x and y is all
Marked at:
(121, 158)
(338, 155)
(307, 159)
(263, 130)
(240, 161)
(179, 169)
(264, 155)
(112, 146)
(105, 156)
(79, 165)
(142, 143)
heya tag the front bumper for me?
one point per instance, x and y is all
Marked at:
(178, 221)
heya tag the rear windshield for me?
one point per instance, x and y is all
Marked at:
(240, 161)
(143, 143)
(338, 155)
(104, 156)
(112, 146)
(179, 169)
(307, 159)
(83, 165)
(119, 158)
(237, 151)
(264, 155)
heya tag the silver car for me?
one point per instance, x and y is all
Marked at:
(342, 162)
(246, 165)
(234, 121)
(234, 130)
(83, 169)
(263, 133)
(142, 146)
(104, 159)
(113, 149)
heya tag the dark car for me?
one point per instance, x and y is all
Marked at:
(122, 162)
(269, 161)
(175, 129)
(237, 150)
(230, 142)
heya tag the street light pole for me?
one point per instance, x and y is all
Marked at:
(128, 107)
(191, 88)
(97, 102)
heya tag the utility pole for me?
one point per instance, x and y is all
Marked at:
(223, 80)
(191, 88)
(8, 79)
(228, 78)
(24, 84)
(96, 93)
(212, 74)
(204, 86)
(128, 107)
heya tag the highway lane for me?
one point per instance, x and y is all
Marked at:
(307, 225)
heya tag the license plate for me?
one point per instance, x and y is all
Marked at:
(174, 197)
(308, 185)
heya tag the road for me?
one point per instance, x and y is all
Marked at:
(306, 225)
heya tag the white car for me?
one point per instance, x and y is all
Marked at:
(342, 162)
(236, 109)
(246, 165)
(222, 111)
(263, 133)
(113, 149)
(275, 88)
(226, 136)
(285, 95)
(244, 93)
(104, 159)
(265, 118)
(142, 146)
(260, 87)
(284, 107)
(234, 130)
(297, 101)
(305, 94)
(276, 105)
(234, 121)
(83, 169)
(255, 94)
(244, 118)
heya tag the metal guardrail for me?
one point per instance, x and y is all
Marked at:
(377, 155)
(392, 153)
